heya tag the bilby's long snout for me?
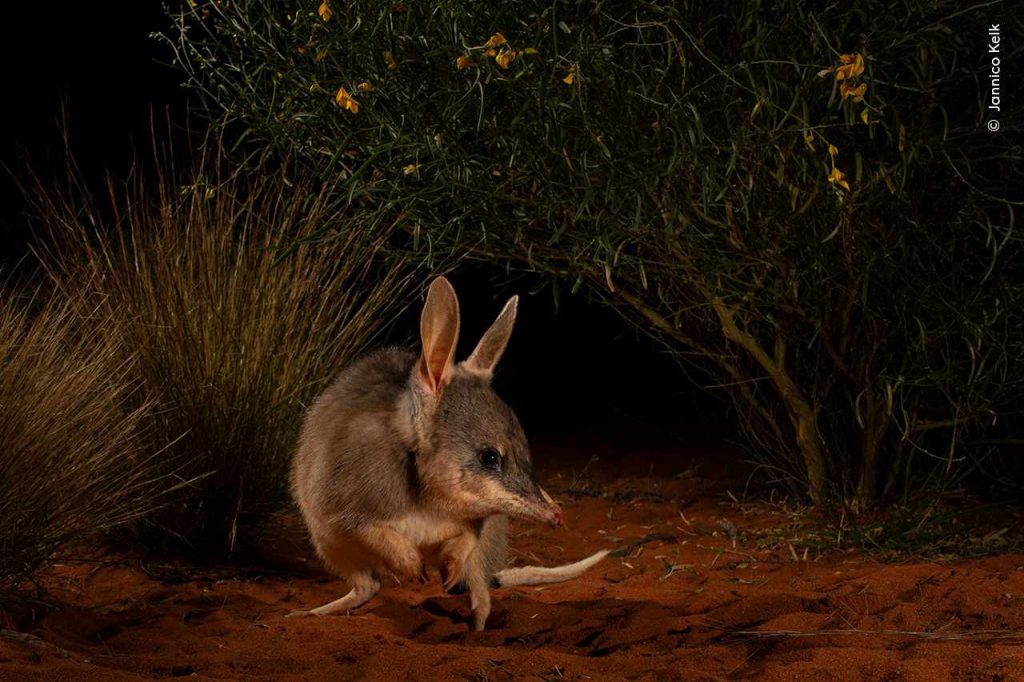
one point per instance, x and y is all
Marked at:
(539, 506)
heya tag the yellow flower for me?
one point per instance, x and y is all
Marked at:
(390, 59)
(857, 93)
(570, 78)
(505, 58)
(345, 101)
(464, 62)
(496, 40)
(837, 177)
(833, 151)
(365, 86)
(325, 11)
(410, 169)
(864, 116)
(853, 65)
(491, 52)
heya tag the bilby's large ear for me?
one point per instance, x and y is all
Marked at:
(439, 332)
(488, 352)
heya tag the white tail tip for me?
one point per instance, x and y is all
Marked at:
(542, 575)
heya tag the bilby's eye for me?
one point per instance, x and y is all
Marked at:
(490, 458)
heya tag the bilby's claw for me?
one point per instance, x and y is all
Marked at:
(451, 575)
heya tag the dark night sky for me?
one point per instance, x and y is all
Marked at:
(99, 60)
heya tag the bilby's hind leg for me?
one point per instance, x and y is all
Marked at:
(345, 555)
(364, 586)
(395, 550)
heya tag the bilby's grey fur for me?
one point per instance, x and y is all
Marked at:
(408, 458)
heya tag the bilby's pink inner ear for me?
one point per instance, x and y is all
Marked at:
(439, 332)
(492, 345)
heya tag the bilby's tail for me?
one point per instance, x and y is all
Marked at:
(539, 575)
(542, 575)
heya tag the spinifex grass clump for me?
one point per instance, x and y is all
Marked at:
(235, 323)
(72, 464)
(809, 205)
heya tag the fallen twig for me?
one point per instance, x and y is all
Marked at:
(33, 641)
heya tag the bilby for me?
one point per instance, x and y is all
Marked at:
(407, 459)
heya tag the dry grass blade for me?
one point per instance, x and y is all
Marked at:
(236, 319)
(71, 460)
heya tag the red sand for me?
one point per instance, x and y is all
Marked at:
(724, 611)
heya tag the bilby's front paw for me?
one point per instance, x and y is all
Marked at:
(453, 583)
(299, 613)
(458, 588)
(451, 575)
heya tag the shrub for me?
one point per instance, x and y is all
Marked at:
(235, 319)
(804, 203)
(71, 461)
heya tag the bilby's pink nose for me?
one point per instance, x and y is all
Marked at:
(556, 518)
